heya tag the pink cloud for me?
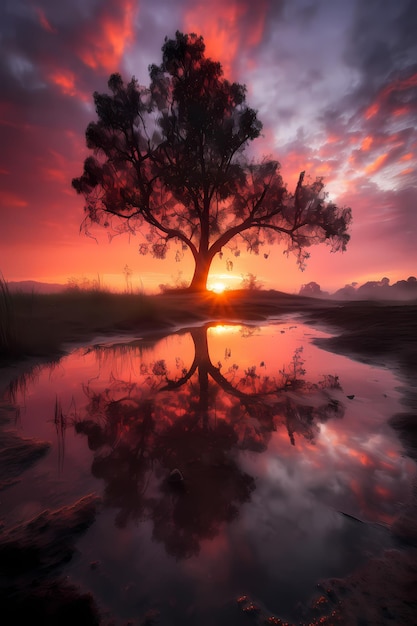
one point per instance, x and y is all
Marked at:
(377, 164)
(103, 43)
(9, 199)
(43, 21)
(227, 28)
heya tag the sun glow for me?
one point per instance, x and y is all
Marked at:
(217, 287)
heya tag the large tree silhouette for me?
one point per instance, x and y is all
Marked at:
(169, 164)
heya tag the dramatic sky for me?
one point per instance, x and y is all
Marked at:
(335, 85)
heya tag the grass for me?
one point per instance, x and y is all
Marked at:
(7, 320)
(39, 324)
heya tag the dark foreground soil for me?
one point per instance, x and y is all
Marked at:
(382, 592)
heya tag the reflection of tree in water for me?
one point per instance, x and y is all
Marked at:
(167, 446)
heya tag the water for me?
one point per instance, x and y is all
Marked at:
(232, 460)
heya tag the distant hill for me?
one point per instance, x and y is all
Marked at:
(29, 286)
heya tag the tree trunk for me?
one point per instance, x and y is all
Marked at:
(202, 357)
(201, 272)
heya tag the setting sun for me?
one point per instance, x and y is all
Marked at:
(217, 287)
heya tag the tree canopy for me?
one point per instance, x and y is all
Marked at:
(169, 163)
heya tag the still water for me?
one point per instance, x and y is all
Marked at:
(232, 461)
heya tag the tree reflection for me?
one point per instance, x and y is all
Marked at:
(167, 443)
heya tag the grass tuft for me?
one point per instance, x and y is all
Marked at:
(38, 325)
(7, 320)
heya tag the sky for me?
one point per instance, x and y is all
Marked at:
(335, 86)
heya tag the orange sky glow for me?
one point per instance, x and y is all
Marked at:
(327, 106)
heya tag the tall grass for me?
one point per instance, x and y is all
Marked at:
(41, 325)
(7, 320)
(38, 325)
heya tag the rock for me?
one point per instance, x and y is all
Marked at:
(175, 476)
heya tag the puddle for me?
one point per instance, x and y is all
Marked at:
(231, 459)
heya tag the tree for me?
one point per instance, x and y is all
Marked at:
(310, 289)
(168, 162)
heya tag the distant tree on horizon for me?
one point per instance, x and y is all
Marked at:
(377, 290)
(311, 289)
(169, 163)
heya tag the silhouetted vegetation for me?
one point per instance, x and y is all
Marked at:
(8, 329)
(169, 164)
(251, 282)
(371, 290)
(39, 324)
(312, 290)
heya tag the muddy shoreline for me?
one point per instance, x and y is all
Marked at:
(382, 592)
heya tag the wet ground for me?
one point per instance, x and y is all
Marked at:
(230, 480)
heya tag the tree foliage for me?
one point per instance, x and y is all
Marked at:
(169, 163)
